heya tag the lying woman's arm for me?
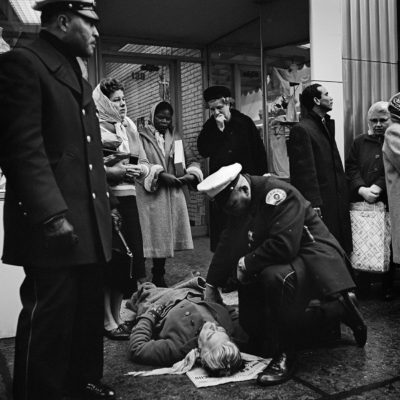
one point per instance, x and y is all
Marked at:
(145, 350)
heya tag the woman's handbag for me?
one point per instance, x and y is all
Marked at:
(370, 227)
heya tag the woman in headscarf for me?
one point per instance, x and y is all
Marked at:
(161, 200)
(119, 136)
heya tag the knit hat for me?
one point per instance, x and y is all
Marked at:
(216, 92)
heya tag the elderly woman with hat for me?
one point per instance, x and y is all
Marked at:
(228, 136)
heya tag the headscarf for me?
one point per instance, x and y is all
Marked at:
(109, 112)
(160, 139)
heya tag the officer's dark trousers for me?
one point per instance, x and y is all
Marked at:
(270, 307)
(59, 340)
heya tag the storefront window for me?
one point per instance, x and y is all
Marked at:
(287, 74)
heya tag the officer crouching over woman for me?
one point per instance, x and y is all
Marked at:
(285, 258)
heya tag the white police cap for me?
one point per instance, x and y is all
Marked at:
(219, 184)
(86, 8)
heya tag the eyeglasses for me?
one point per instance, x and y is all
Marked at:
(381, 120)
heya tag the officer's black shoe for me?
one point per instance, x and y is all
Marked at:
(353, 318)
(97, 391)
(280, 369)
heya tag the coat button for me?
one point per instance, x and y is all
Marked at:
(83, 112)
(90, 167)
(192, 322)
(20, 203)
(187, 313)
(88, 138)
(94, 196)
(25, 213)
(107, 194)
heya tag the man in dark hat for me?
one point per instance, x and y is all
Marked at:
(284, 257)
(228, 136)
(56, 215)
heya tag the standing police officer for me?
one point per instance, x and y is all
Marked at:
(285, 257)
(56, 214)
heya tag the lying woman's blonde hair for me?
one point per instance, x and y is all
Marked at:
(222, 360)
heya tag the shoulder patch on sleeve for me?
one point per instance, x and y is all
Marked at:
(275, 197)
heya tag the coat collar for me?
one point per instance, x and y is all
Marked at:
(59, 65)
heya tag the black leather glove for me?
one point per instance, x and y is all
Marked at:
(59, 233)
(169, 180)
(116, 219)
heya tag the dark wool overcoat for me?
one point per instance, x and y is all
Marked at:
(316, 170)
(50, 152)
(240, 142)
(364, 166)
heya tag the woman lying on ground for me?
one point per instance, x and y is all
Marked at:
(179, 325)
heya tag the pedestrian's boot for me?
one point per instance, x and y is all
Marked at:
(280, 369)
(352, 317)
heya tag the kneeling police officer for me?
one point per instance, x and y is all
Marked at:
(285, 256)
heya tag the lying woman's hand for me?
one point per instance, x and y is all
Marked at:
(169, 180)
(157, 310)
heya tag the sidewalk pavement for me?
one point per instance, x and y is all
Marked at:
(343, 371)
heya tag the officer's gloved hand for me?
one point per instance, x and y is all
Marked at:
(59, 233)
(212, 294)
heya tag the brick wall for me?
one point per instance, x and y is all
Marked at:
(142, 94)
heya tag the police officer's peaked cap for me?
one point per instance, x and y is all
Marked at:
(86, 8)
(219, 185)
(216, 92)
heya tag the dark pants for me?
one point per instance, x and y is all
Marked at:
(272, 307)
(59, 341)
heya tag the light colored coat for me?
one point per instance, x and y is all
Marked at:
(163, 212)
(391, 161)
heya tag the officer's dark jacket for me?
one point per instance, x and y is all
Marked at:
(316, 170)
(364, 166)
(289, 232)
(50, 151)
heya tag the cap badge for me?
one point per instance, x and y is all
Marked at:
(275, 197)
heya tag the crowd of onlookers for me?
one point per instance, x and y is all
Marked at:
(89, 197)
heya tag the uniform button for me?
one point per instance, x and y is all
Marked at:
(90, 166)
(192, 322)
(83, 112)
(377, 156)
(249, 245)
(20, 203)
(187, 313)
(94, 196)
(25, 213)
(107, 194)
(88, 138)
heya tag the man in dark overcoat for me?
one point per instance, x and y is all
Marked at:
(56, 214)
(228, 136)
(285, 257)
(316, 168)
